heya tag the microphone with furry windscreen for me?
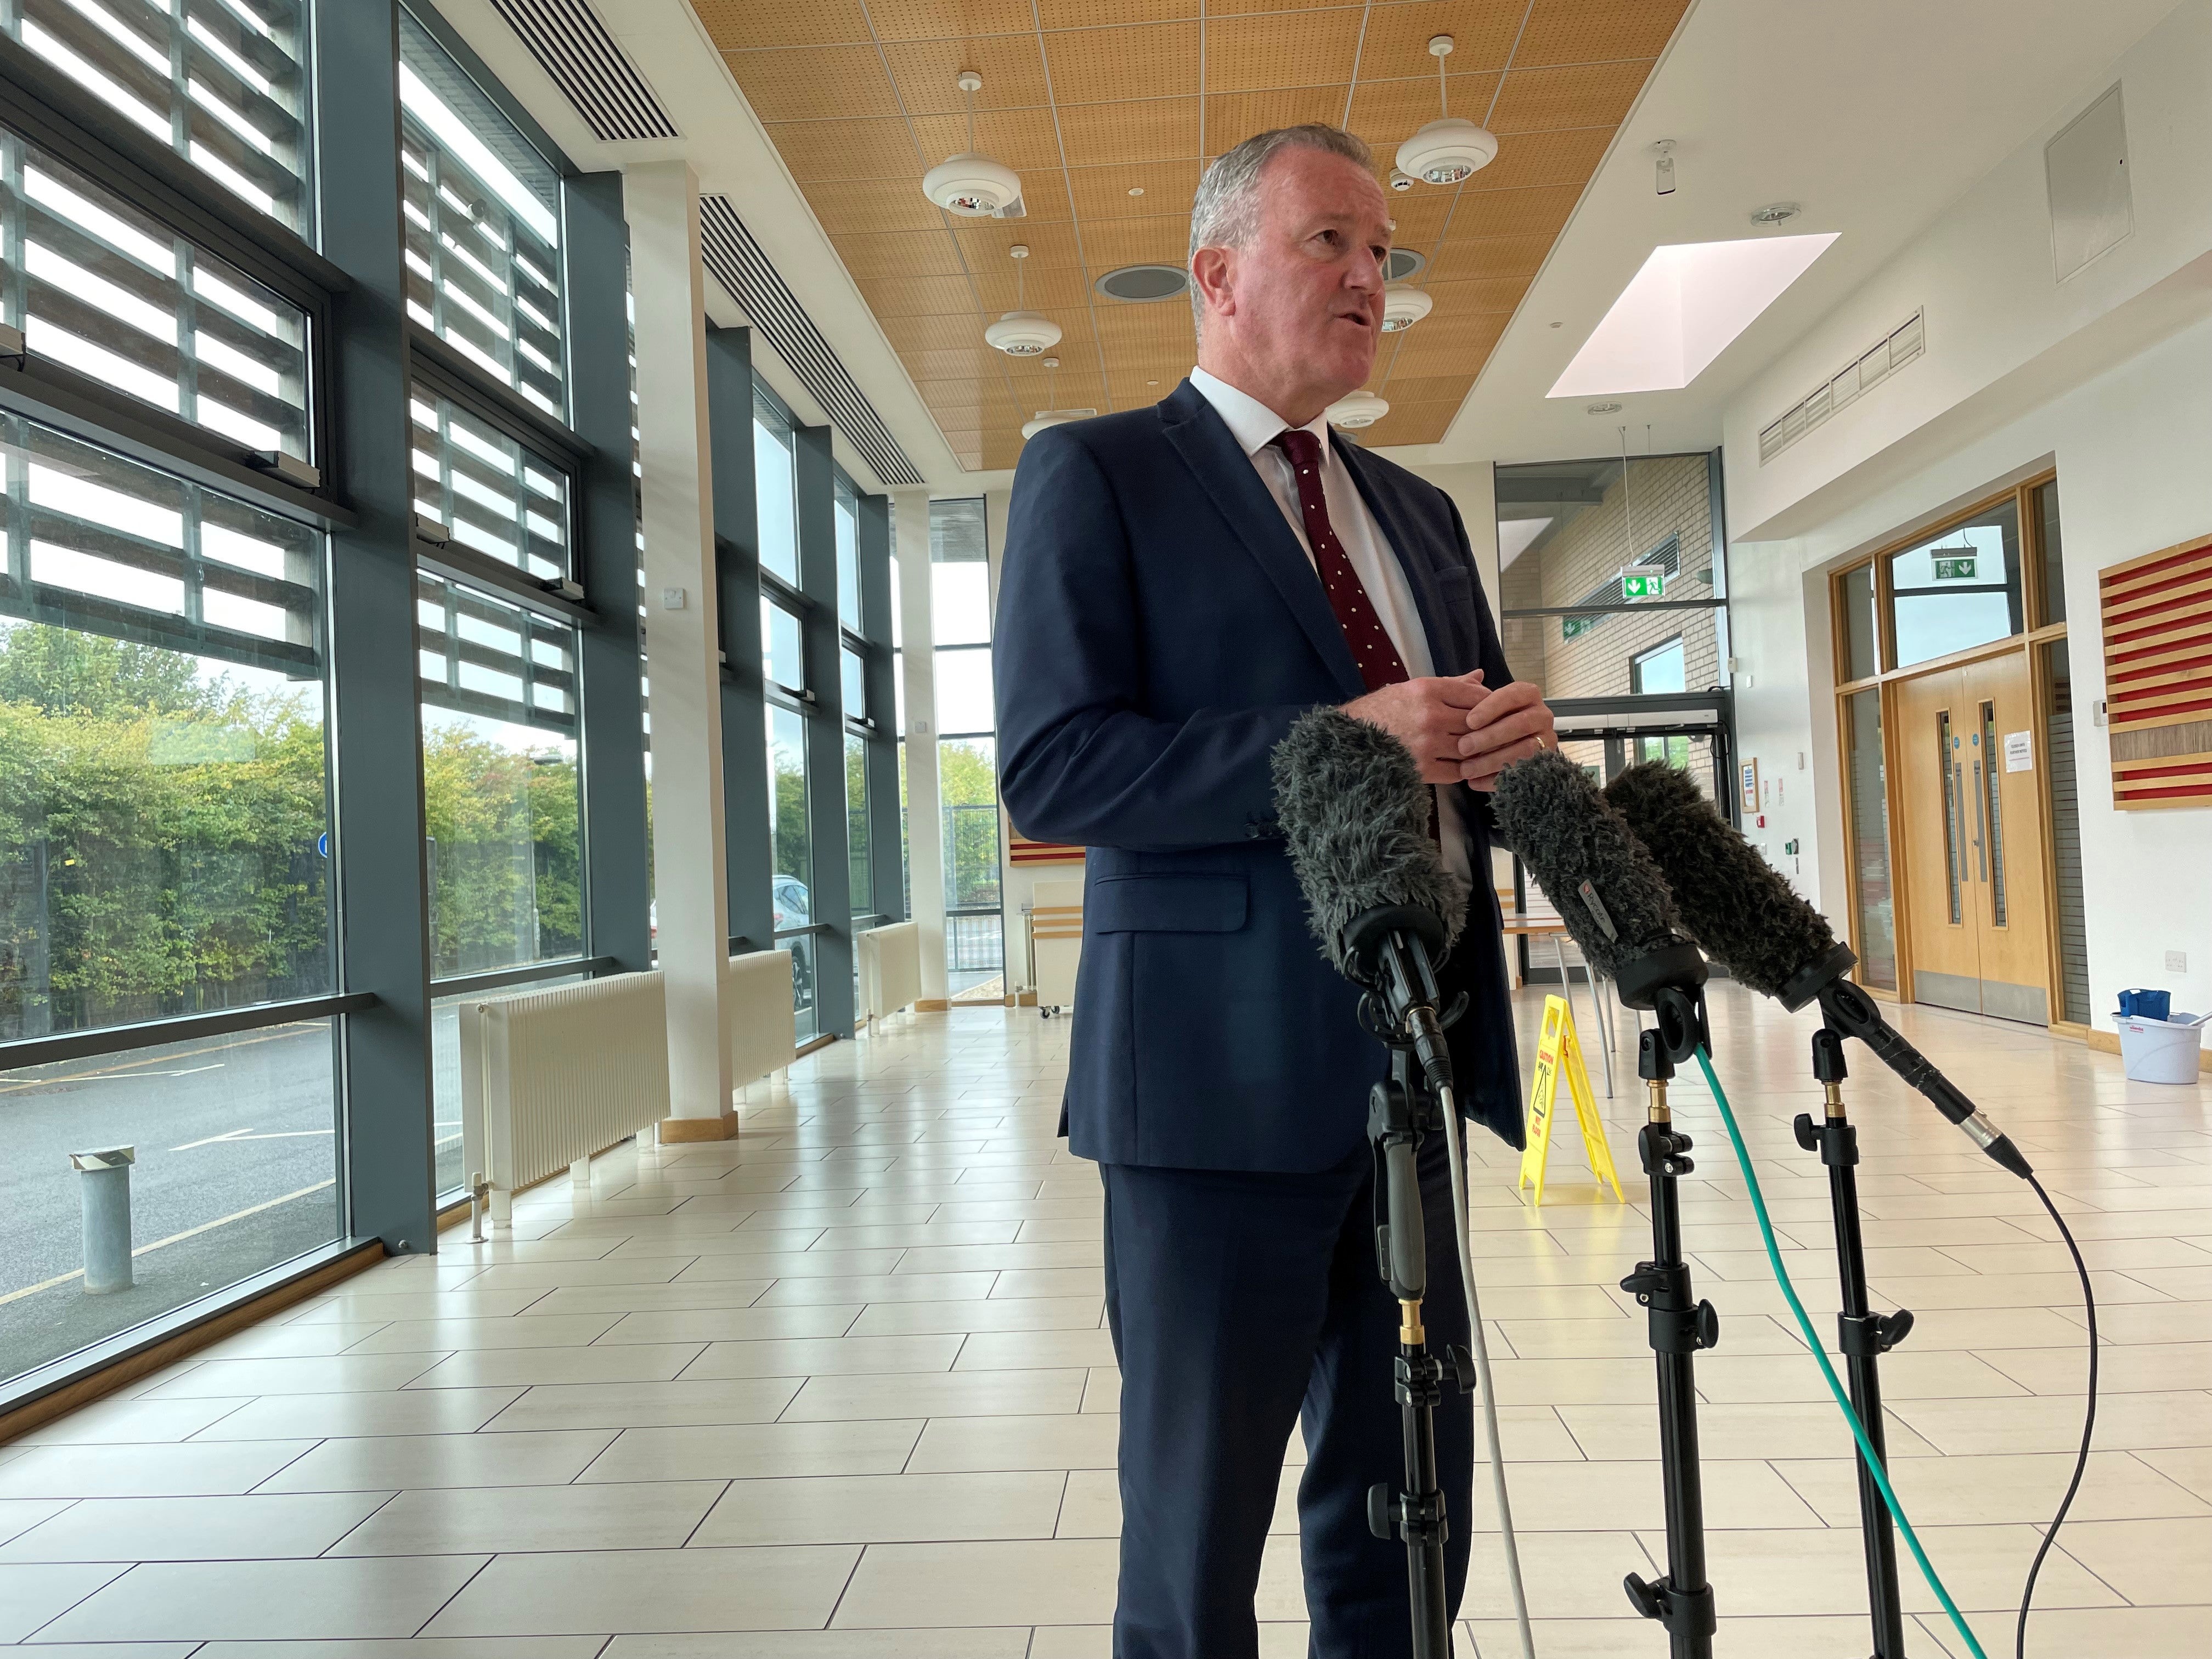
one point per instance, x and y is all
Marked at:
(1355, 813)
(1746, 916)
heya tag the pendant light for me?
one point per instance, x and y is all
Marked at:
(1450, 150)
(1355, 409)
(1404, 305)
(1022, 333)
(970, 185)
(1046, 417)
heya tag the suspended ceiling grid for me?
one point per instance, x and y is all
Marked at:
(1090, 100)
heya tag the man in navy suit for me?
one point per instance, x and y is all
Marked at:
(1181, 583)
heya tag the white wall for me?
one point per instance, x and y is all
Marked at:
(2108, 376)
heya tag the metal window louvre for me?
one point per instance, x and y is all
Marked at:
(536, 639)
(183, 79)
(487, 507)
(73, 282)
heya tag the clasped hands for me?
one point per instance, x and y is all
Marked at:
(1459, 730)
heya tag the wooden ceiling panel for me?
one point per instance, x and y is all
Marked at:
(942, 20)
(1233, 117)
(1087, 99)
(1116, 66)
(811, 84)
(1281, 49)
(1584, 95)
(1597, 31)
(735, 24)
(927, 72)
(849, 206)
(1111, 135)
(1482, 32)
(1104, 192)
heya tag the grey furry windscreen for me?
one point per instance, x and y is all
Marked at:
(1550, 812)
(1732, 902)
(1353, 808)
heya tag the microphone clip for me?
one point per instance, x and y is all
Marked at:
(1669, 982)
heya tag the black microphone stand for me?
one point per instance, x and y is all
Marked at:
(1669, 983)
(1861, 1335)
(1390, 950)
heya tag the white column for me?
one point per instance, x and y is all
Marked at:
(1013, 889)
(925, 849)
(690, 881)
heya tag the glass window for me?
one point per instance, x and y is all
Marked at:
(848, 517)
(898, 628)
(787, 817)
(103, 288)
(164, 809)
(853, 686)
(483, 225)
(236, 1170)
(1862, 639)
(2053, 548)
(494, 496)
(963, 692)
(1870, 809)
(783, 658)
(501, 786)
(856, 823)
(228, 90)
(776, 492)
(1658, 670)
(1959, 589)
(1585, 548)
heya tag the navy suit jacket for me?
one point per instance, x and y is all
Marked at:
(1159, 629)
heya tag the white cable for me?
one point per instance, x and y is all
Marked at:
(1486, 1392)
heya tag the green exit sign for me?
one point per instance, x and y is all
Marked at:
(1954, 570)
(1573, 627)
(1649, 587)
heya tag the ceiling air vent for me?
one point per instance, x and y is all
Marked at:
(1143, 284)
(573, 45)
(1868, 370)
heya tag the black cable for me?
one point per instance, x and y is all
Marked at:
(2088, 1422)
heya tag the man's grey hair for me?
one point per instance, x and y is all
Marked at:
(1226, 210)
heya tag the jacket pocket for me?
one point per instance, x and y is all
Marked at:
(1166, 905)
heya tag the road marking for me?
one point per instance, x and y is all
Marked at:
(173, 1238)
(133, 1077)
(248, 1135)
(272, 1033)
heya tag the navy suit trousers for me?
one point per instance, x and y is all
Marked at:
(1242, 1303)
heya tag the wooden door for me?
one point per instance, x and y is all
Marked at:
(2006, 775)
(1946, 938)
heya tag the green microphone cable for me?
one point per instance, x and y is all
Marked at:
(1835, 1387)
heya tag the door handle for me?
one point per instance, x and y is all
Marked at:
(1981, 828)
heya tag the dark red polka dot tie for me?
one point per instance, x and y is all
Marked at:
(1379, 662)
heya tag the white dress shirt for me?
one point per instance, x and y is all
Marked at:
(1253, 425)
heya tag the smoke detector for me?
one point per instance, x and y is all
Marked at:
(972, 185)
(1048, 418)
(1452, 149)
(1400, 180)
(1775, 213)
(1404, 305)
(1022, 333)
(1357, 409)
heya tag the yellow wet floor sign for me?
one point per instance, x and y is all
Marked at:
(1557, 1050)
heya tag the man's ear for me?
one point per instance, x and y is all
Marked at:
(1214, 270)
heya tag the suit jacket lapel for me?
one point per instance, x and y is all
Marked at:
(1438, 621)
(1227, 477)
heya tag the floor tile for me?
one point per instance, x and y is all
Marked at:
(195, 1528)
(318, 1416)
(397, 1462)
(339, 1374)
(451, 1336)
(1051, 1581)
(469, 1521)
(886, 1509)
(920, 1318)
(481, 1647)
(2149, 1562)
(647, 1590)
(190, 1470)
(1008, 1642)
(826, 1357)
(757, 1451)
(119, 1421)
(933, 1394)
(256, 1599)
(32, 1596)
(619, 1362)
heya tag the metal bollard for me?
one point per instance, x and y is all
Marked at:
(107, 1194)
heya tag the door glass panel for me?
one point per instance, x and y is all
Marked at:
(2051, 550)
(2073, 923)
(1870, 809)
(1946, 747)
(1959, 589)
(1994, 804)
(1862, 641)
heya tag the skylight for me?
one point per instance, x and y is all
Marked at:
(1683, 309)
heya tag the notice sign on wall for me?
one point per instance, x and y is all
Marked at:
(2020, 752)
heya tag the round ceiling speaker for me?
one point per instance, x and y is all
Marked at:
(1400, 262)
(974, 186)
(1023, 334)
(1404, 305)
(1355, 410)
(1448, 151)
(1143, 284)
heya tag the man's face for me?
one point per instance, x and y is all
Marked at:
(1309, 287)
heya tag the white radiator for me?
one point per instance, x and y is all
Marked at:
(549, 1078)
(1056, 941)
(890, 968)
(756, 1008)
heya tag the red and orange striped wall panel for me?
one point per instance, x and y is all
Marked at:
(1020, 849)
(2157, 614)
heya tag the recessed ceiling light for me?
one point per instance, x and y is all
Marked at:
(1136, 189)
(1151, 383)
(1602, 409)
(1559, 325)
(1355, 409)
(1775, 213)
(1681, 310)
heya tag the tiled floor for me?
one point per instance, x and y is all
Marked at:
(842, 1385)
